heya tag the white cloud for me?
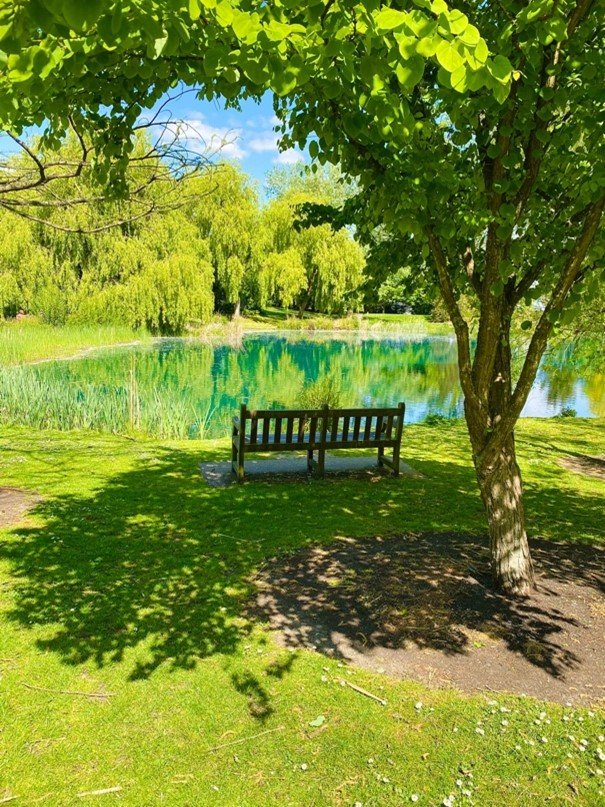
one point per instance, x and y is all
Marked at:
(289, 157)
(203, 138)
(263, 142)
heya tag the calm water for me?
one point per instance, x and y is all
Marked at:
(202, 385)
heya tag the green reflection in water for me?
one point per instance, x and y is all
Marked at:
(179, 388)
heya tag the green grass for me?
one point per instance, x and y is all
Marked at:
(130, 577)
(28, 340)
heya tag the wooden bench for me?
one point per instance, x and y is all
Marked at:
(317, 430)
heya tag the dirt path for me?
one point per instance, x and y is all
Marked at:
(585, 464)
(14, 504)
(421, 607)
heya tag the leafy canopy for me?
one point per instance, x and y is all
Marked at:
(107, 59)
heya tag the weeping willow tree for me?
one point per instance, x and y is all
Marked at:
(227, 217)
(318, 267)
(65, 263)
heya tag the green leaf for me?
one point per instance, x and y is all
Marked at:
(501, 69)
(458, 21)
(278, 31)
(481, 51)
(408, 45)
(410, 72)
(255, 70)
(80, 14)
(420, 24)
(159, 44)
(448, 57)
(389, 18)
(439, 7)
(195, 9)
(224, 13)
(427, 46)
(501, 92)
(243, 24)
(459, 78)
(470, 36)
(319, 721)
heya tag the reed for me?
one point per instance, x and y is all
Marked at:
(29, 399)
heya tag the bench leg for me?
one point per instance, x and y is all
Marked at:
(321, 461)
(234, 459)
(240, 466)
(310, 461)
(396, 461)
(380, 456)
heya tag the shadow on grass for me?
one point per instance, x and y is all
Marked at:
(156, 559)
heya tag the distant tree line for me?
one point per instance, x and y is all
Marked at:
(211, 246)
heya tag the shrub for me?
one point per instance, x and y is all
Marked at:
(325, 391)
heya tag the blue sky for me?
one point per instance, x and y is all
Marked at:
(245, 136)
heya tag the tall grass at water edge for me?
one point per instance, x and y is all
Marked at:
(28, 399)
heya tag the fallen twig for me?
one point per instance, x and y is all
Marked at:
(97, 695)
(365, 692)
(245, 739)
(6, 799)
(101, 792)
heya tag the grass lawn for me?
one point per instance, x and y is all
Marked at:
(129, 578)
(29, 340)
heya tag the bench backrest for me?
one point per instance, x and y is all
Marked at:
(322, 427)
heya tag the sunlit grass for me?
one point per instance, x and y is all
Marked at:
(28, 340)
(130, 578)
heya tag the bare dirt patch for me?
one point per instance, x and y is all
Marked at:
(14, 504)
(585, 464)
(421, 607)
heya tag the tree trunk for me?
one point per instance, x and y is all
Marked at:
(502, 493)
(237, 309)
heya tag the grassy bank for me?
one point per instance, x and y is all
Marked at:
(282, 319)
(129, 580)
(28, 340)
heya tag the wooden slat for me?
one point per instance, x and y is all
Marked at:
(277, 429)
(368, 428)
(301, 428)
(253, 428)
(289, 427)
(345, 427)
(313, 429)
(272, 413)
(389, 429)
(334, 426)
(378, 431)
(356, 427)
(266, 427)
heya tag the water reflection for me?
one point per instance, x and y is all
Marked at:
(201, 385)
(204, 383)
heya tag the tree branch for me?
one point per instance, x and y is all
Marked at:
(458, 321)
(539, 340)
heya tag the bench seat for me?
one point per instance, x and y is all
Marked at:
(317, 430)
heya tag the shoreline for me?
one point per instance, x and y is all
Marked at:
(232, 333)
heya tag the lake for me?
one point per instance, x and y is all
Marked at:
(185, 388)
